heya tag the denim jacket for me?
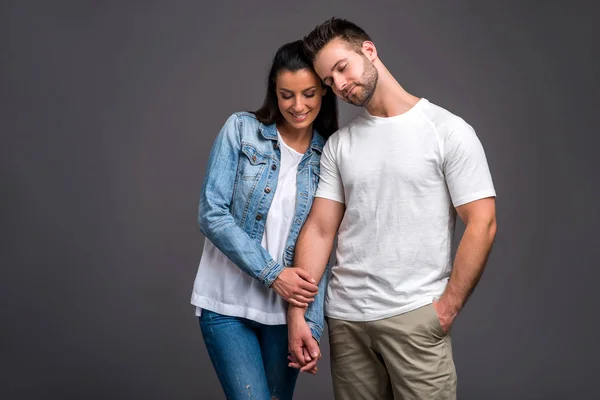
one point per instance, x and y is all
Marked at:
(239, 185)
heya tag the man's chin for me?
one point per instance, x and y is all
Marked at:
(354, 103)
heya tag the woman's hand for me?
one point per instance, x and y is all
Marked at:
(295, 286)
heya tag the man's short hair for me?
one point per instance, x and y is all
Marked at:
(332, 29)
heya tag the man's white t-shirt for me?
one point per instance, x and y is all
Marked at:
(222, 287)
(400, 179)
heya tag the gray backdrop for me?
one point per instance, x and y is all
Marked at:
(108, 110)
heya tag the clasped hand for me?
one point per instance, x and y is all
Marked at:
(296, 286)
(304, 349)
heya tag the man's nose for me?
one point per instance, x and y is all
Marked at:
(340, 83)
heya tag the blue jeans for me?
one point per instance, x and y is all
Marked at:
(249, 358)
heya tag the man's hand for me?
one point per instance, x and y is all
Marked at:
(445, 316)
(304, 349)
(295, 286)
(472, 253)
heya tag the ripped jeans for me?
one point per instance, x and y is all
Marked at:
(249, 358)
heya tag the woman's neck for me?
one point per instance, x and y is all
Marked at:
(297, 139)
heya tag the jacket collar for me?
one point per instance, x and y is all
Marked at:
(270, 132)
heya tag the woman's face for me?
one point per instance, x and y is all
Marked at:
(299, 96)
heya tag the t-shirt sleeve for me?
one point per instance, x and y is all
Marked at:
(465, 165)
(330, 182)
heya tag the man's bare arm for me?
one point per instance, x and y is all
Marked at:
(313, 249)
(471, 256)
(315, 240)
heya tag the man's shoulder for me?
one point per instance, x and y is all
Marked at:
(443, 120)
(344, 131)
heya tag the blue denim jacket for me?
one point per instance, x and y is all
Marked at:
(239, 185)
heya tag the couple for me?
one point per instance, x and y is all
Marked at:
(282, 181)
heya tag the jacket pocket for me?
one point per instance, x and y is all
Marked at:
(252, 163)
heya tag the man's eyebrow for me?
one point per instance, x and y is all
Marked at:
(335, 65)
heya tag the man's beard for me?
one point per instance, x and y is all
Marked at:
(368, 82)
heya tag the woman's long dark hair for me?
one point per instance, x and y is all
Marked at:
(291, 57)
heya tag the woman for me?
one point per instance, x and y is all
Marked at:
(259, 185)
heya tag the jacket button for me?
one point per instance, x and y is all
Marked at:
(253, 158)
(275, 146)
(258, 217)
(268, 190)
(273, 167)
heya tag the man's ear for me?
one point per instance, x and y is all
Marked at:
(369, 50)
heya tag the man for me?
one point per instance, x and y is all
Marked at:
(391, 184)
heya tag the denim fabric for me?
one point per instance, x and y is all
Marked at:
(238, 188)
(249, 358)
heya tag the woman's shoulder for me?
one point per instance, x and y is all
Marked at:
(241, 121)
(244, 116)
(245, 125)
(318, 139)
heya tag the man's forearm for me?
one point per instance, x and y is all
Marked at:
(313, 249)
(470, 260)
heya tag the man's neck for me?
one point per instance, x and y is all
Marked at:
(390, 99)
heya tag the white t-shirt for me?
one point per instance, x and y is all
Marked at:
(400, 179)
(222, 287)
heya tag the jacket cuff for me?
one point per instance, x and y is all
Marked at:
(270, 273)
(315, 330)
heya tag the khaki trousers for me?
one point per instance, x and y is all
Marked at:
(406, 357)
